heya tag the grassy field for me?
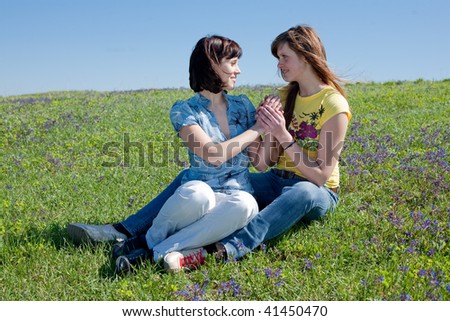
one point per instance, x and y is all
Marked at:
(98, 157)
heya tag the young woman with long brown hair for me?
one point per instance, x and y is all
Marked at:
(303, 143)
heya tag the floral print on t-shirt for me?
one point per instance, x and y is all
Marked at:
(303, 129)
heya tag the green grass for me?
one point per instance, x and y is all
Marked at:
(64, 159)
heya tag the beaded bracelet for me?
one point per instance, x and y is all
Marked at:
(290, 144)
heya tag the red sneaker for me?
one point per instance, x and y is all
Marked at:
(189, 259)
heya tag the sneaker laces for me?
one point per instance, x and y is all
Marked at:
(193, 259)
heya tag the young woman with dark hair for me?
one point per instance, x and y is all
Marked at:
(214, 198)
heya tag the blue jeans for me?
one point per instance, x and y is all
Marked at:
(284, 202)
(142, 220)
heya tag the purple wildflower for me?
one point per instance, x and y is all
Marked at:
(422, 273)
(229, 286)
(308, 264)
(276, 275)
(194, 292)
(405, 297)
(403, 268)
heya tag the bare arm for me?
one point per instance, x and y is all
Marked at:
(267, 153)
(267, 150)
(331, 142)
(217, 153)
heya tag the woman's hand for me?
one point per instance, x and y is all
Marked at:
(271, 101)
(272, 120)
(269, 109)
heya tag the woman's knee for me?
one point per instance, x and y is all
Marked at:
(196, 192)
(244, 204)
(304, 191)
(193, 199)
(309, 197)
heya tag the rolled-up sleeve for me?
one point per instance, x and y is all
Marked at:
(181, 115)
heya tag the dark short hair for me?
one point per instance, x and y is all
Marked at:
(208, 51)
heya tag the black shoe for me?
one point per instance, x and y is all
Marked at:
(124, 247)
(126, 263)
(89, 233)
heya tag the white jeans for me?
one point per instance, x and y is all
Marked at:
(196, 216)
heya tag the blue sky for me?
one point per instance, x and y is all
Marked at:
(103, 45)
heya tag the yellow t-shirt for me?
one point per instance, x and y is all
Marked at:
(310, 113)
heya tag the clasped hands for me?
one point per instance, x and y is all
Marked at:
(270, 115)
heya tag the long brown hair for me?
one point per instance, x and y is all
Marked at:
(305, 41)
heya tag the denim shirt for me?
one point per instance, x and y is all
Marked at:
(234, 173)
